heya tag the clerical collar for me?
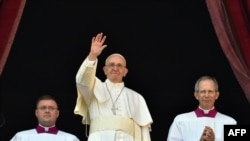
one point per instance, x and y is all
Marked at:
(50, 130)
(114, 85)
(205, 113)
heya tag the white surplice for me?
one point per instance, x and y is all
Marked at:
(189, 127)
(32, 135)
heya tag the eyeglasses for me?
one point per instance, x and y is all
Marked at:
(50, 108)
(112, 65)
(207, 91)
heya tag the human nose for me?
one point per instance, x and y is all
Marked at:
(116, 67)
(206, 94)
(47, 109)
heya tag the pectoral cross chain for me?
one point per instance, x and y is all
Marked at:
(114, 109)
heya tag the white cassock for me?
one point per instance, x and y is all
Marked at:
(114, 112)
(189, 127)
(32, 135)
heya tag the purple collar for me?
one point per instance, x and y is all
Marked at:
(51, 130)
(200, 113)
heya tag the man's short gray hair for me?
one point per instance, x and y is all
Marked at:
(115, 54)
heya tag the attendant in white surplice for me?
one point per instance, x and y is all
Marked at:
(113, 111)
(204, 123)
(47, 112)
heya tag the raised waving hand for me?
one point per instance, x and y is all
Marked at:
(97, 46)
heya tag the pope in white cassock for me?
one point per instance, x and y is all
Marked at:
(113, 111)
(204, 123)
(47, 113)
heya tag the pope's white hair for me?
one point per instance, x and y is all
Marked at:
(115, 54)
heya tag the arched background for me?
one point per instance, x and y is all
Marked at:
(168, 45)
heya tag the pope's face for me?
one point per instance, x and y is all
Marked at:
(115, 69)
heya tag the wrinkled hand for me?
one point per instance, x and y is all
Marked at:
(208, 134)
(97, 45)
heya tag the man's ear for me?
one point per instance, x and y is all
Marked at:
(125, 72)
(196, 95)
(58, 113)
(218, 94)
(104, 70)
(36, 112)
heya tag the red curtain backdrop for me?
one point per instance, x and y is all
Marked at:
(10, 14)
(231, 22)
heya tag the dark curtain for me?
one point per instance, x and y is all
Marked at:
(230, 19)
(10, 14)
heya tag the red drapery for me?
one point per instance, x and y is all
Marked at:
(232, 26)
(10, 14)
